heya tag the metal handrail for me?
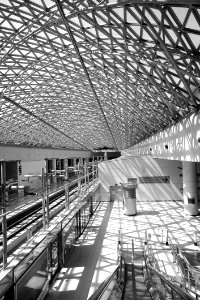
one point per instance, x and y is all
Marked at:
(119, 285)
(190, 280)
(103, 286)
(191, 275)
(167, 284)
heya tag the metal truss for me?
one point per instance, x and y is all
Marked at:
(91, 74)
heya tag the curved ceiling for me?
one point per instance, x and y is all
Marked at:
(94, 74)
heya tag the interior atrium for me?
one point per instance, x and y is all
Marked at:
(98, 97)
(93, 74)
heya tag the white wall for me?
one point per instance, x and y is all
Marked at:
(118, 171)
(181, 138)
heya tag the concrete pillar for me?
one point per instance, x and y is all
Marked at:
(58, 164)
(54, 168)
(74, 161)
(66, 169)
(46, 181)
(80, 161)
(190, 196)
(59, 180)
(105, 155)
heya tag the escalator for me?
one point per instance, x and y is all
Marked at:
(141, 280)
(163, 287)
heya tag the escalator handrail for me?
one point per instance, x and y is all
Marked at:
(103, 286)
(183, 256)
(173, 284)
(193, 271)
(98, 293)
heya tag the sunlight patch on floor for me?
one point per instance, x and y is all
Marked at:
(68, 279)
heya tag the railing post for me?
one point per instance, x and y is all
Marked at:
(66, 196)
(132, 250)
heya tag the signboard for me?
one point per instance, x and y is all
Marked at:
(154, 179)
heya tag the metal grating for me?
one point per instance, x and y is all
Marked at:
(90, 74)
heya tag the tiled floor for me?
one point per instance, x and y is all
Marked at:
(95, 257)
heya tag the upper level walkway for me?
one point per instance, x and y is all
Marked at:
(95, 254)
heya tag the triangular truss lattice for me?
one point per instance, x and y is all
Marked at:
(89, 74)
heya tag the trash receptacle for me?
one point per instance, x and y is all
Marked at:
(129, 198)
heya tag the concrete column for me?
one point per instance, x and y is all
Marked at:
(74, 161)
(87, 172)
(46, 181)
(105, 155)
(79, 174)
(62, 168)
(54, 168)
(59, 180)
(190, 196)
(66, 169)
(80, 161)
(58, 164)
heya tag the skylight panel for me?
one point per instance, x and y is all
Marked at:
(195, 38)
(181, 13)
(192, 22)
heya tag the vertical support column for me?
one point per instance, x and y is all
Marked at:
(66, 169)
(74, 161)
(105, 155)
(58, 167)
(54, 170)
(88, 174)
(62, 168)
(190, 197)
(79, 176)
(85, 176)
(4, 220)
(93, 170)
(96, 175)
(67, 196)
(43, 199)
(66, 164)
(59, 164)
(80, 161)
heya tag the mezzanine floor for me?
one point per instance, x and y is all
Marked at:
(95, 255)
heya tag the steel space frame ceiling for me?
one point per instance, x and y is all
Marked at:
(91, 74)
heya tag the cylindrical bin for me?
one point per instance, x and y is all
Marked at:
(129, 198)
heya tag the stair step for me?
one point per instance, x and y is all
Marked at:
(135, 287)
